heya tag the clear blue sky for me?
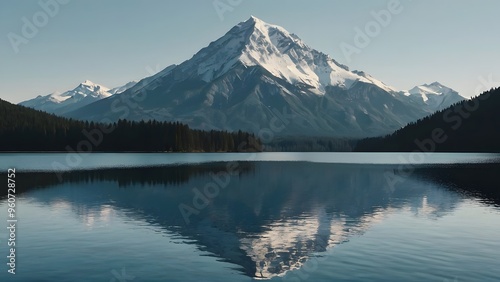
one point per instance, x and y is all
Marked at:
(112, 42)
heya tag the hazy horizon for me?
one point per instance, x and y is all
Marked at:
(114, 42)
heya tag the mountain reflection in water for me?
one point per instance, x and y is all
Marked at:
(271, 217)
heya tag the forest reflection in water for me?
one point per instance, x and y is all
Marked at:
(265, 217)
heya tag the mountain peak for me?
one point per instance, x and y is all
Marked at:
(435, 83)
(254, 19)
(434, 88)
(88, 83)
(257, 26)
(82, 95)
(255, 43)
(435, 94)
(241, 79)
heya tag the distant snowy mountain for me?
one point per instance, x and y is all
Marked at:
(84, 94)
(435, 95)
(259, 77)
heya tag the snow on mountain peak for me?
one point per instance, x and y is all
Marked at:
(439, 88)
(434, 88)
(434, 94)
(283, 54)
(264, 28)
(88, 83)
(254, 19)
(85, 93)
(88, 88)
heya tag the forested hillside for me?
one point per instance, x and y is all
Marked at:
(24, 129)
(469, 126)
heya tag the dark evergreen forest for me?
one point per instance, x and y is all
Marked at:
(468, 126)
(25, 129)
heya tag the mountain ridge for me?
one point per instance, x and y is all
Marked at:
(84, 94)
(242, 80)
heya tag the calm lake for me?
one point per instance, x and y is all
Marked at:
(243, 217)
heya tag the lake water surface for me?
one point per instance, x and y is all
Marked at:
(242, 217)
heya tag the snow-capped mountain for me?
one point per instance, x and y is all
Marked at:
(84, 94)
(259, 77)
(284, 55)
(435, 95)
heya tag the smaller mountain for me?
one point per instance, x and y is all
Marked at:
(434, 96)
(84, 94)
(468, 126)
